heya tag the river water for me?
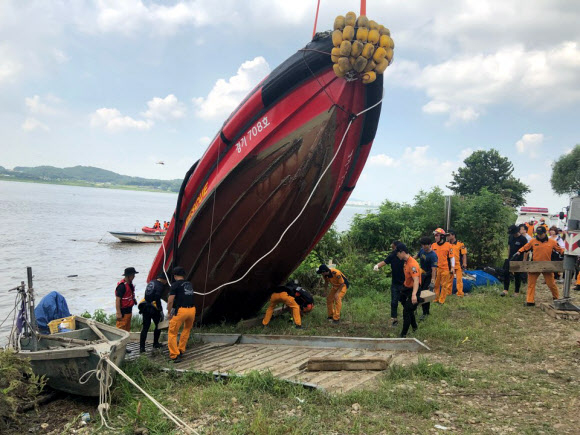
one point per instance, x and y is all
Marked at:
(62, 233)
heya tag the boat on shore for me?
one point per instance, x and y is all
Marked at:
(135, 237)
(64, 358)
(271, 183)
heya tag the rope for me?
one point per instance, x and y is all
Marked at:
(352, 118)
(316, 19)
(180, 423)
(105, 379)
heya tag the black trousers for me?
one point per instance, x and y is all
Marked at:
(150, 313)
(395, 297)
(408, 310)
(425, 281)
(506, 277)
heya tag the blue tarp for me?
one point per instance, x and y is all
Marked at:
(52, 306)
(475, 278)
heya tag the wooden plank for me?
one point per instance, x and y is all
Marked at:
(336, 364)
(536, 266)
(559, 314)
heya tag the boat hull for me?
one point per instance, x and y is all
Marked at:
(63, 366)
(138, 237)
(259, 174)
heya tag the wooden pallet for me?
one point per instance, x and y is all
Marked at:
(559, 314)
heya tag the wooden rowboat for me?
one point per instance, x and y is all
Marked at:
(65, 357)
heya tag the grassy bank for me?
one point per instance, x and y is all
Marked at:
(86, 184)
(495, 367)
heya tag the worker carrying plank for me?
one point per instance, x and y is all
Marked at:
(542, 248)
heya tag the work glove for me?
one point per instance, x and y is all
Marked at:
(432, 286)
(376, 268)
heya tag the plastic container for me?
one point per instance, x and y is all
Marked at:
(62, 325)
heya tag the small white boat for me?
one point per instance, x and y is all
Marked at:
(138, 237)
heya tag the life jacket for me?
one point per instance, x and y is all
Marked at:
(128, 299)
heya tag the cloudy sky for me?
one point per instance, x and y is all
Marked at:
(123, 84)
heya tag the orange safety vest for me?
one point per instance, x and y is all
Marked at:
(128, 299)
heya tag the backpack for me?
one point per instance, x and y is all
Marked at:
(150, 292)
(304, 298)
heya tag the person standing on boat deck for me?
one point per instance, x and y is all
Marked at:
(180, 311)
(409, 294)
(460, 253)
(165, 225)
(397, 279)
(339, 285)
(151, 309)
(125, 299)
(428, 261)
(157, 225)
(542, 248)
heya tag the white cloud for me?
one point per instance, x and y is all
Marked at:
(465, 85)
(10, 67)
(383, 160)
(31, 124)
(112, 121)
(204, 140)
(226, 95)
(530, 144)
(38, 107)
(132, 16)
(165, 108)
(465, 153)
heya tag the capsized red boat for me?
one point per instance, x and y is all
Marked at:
(280, 155)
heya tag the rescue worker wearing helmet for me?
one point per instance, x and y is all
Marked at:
(284, 294)
(338, 287)
(460, 253)
(542, 224)
(125, 299)
(541, 248)
(445, 266)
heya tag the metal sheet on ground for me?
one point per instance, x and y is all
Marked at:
(285, 361)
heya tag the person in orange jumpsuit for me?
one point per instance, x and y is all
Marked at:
(339, 285)
(460, 253)
(445, 266)
(409, 294)
(542, 224)
(531, 228)
(283, 294)
(180, 311)
(542, 248)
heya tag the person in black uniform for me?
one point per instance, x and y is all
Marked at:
(180, 311)
(151, 309)
(397, 279)
(516, 240)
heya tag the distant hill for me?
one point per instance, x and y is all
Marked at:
(87, 174)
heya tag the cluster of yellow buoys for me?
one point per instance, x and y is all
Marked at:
(362, 47)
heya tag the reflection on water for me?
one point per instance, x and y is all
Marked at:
(62, 233)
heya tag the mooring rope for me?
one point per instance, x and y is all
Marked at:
(105, 379)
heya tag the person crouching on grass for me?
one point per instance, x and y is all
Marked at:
(409, 294)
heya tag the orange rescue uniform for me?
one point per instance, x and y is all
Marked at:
(411, 270)
(337, 292)
(185, 316)
(459, 250)
(530, 230)
(289, 301)
(444, 278)
(542, 251)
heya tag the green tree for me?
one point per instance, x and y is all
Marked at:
(566, 173)
(490, 170)
(482, 224)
